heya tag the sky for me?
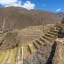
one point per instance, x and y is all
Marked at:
(47, 5)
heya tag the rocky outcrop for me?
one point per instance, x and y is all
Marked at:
(40, 57)
(59, 54)
(48, 55)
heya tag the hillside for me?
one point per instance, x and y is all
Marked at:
(41, 50)
(39, 47)
(30, 37)
(60, 15)
(23, 36)
(17, 18)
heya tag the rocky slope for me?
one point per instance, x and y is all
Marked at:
(17, 18)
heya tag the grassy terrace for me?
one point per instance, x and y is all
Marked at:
(14, 56)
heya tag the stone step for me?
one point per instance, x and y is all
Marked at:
(37, 46)
(47, 38)
(50, 35)
(53, 33)
(31, 48)
(44, 40)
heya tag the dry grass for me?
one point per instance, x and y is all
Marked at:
(13, 38)
(17, 18)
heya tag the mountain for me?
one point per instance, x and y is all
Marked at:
(60, 15)
(17, 18)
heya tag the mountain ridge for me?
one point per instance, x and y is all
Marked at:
(18, 18)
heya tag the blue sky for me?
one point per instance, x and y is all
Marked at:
(48, 5)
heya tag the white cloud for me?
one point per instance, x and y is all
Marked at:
(28, 5)
(58, 10)
(7, 3)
